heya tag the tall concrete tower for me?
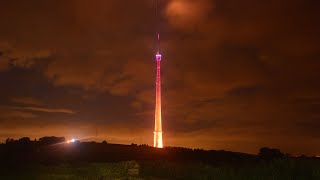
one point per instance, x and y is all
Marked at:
(158, 126)
(157, 138)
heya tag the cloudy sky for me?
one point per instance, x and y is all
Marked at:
(236, 74)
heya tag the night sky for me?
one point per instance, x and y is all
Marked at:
(236, 74)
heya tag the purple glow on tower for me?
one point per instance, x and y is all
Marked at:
(158, 57)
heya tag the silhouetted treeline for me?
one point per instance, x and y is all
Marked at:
(57, 150)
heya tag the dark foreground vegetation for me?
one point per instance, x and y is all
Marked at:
(53, 158)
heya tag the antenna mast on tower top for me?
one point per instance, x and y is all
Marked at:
(157, 26)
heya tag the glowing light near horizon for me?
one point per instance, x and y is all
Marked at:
(71, 141)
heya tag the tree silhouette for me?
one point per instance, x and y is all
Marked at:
(269, 153)
(51, 140)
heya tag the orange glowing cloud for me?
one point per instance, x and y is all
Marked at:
(187, 13)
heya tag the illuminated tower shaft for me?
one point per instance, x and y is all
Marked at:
(158, 126)
(157, 139)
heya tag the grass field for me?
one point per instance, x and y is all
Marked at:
(279, 169)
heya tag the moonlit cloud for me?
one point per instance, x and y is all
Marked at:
(46, 110)
(26, 100)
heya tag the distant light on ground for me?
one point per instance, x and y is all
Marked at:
(71, 141)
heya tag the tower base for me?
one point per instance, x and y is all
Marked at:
(157, 140)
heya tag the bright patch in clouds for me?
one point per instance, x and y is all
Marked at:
(187, 13)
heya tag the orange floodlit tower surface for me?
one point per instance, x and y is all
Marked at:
(158, 126)
(157, 138)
